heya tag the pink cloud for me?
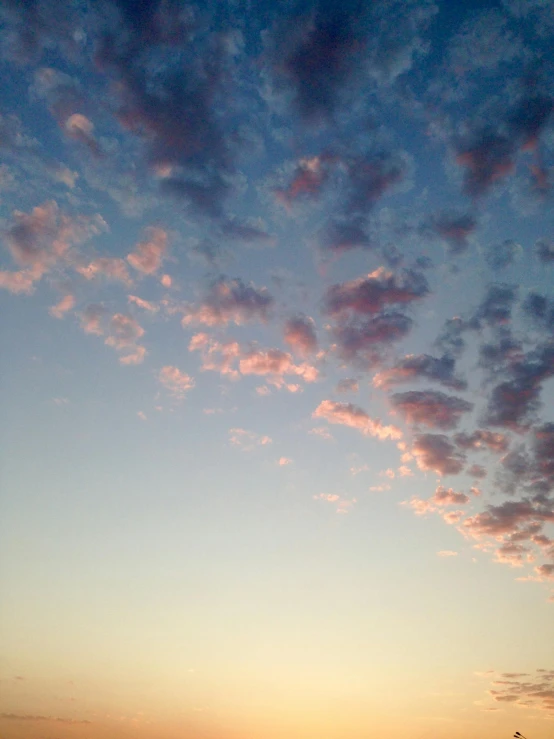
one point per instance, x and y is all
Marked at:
(124, 332)
(60, 309)
(247, 440)
(110, 267)
(307, 181)
(431, 408)
(92, 319)
(148, 255)
(300, 335)
(22, 281)
(230, 301)
(176, 382)
(436, 453)
(41, 239)
(477, 471)
(229, 358)
(322, 432)
(144, 304)
(284, 461)
(424, 366)
(482, 439)
(348, 385)
(447, 553)
(343, 505)
(369, 295)
(80, 128)
(447, 496)
(346, 414)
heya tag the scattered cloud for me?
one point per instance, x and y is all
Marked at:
(230, 301)
(431, 408)
(148, 255)
(175, 382)
(247, 441)
(347, 414)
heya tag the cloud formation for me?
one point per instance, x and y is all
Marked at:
(421, 366)
(436, 453)
(175, 381)
(430, 408)
(347, 414)
(230, 301)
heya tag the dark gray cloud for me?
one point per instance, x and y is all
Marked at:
(455, 229)
(513, 403)
(421, 366)
(436, 453)
(496, 307)
(431, 408)
(544, 250)
(540, 310)
(501, 255)
(366, 339)
(381, 288)
(328, 49)
(482, 439)
(300, 335)
(230, 301)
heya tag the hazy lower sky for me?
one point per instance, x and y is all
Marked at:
(277, 443)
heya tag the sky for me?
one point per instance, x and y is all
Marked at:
(277, 313)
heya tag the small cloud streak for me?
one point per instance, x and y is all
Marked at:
(247, 441)
(347, 414)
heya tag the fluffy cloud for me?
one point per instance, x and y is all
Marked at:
(346, 414)
(424, 366)
(112, 268)
(92, 319)
(365, 340)
(144, 304)
(230, 301)
(442, 497)
(455, 229)
(300, 335)
(501, 255)
(148, 255)
(436, 453)
(176, 382)
(482, 439)
(66, 304)
(318, 58)
(545, 251)
(41, 239)
(307, 180)
(513, 402)
(229, 358)
(124, 332)
(369, 295)
(430, 408)
(172, 109)
(348, 385)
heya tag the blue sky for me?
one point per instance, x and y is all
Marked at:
(277, 314)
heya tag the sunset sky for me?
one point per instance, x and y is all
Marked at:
(277, 441)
